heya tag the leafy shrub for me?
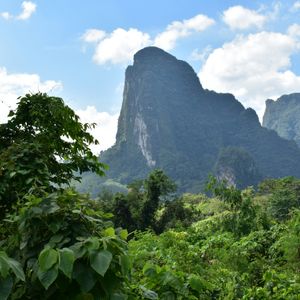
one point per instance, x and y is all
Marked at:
(67, 249)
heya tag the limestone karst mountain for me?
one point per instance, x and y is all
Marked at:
(283, 116)
(169, 121)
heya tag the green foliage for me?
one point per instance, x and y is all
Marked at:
(59, 244)
(214, 264)
(176, 215)
(242, 220)
(10, 273)
(122, 213)
(41, 146)
(67, 248)
(157, 185)
(284, 196)
(162, 272)
(288, 243)
(137, 209)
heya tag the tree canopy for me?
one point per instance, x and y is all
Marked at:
(42, 146)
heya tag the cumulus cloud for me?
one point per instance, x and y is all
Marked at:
(241, 18)
(253, 67)
(296, 5)
(294, 31)
(13, 85)
(106, 127)
(93, 35)
(28, 8)
(201, 55)
(18, 84)
(120, 45)
(6, 15)
(180, 29)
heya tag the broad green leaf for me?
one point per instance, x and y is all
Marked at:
(12, 174)
(4, 265)
(168, 279)
(56, 239)
(196, 284)
(111, 283)
(47, 258)
(66, 261)
(124, 234)
(5, 287)
(84, 275)
(148, 294)
(79, 250)
(16, 268)
(50, 208)
(47, 277)
(109, 231)
(118, 296)
(92, 243)
(168, 296)
(100, 261)
(149, 270)
(125, 264)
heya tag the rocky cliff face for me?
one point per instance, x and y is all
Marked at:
(169, 121)
(283, 116)
(237, 167)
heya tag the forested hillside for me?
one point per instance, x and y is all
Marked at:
(146, 244)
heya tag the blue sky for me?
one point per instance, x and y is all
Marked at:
(79, 49)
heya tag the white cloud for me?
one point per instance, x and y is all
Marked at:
(253, 67)
(6, 15)
(296, 5)
(275, 13)
(106, 127)
(18, 84)
(240, 18)
(180, 29)
(120, 45)
(93, 35)
(294, 31)
(28, 8)
(201, 55)
(13, 85)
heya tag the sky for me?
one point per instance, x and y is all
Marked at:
(79, 50)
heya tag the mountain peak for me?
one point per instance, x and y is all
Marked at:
(169, 121)
(152, 53)
(282, 116)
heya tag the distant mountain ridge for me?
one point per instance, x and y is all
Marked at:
(169, 121)
(283, 116)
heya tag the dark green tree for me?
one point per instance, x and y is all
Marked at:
(122, 213)
(243, 217)
(284, 196)
(157, 186)
(42, 145)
